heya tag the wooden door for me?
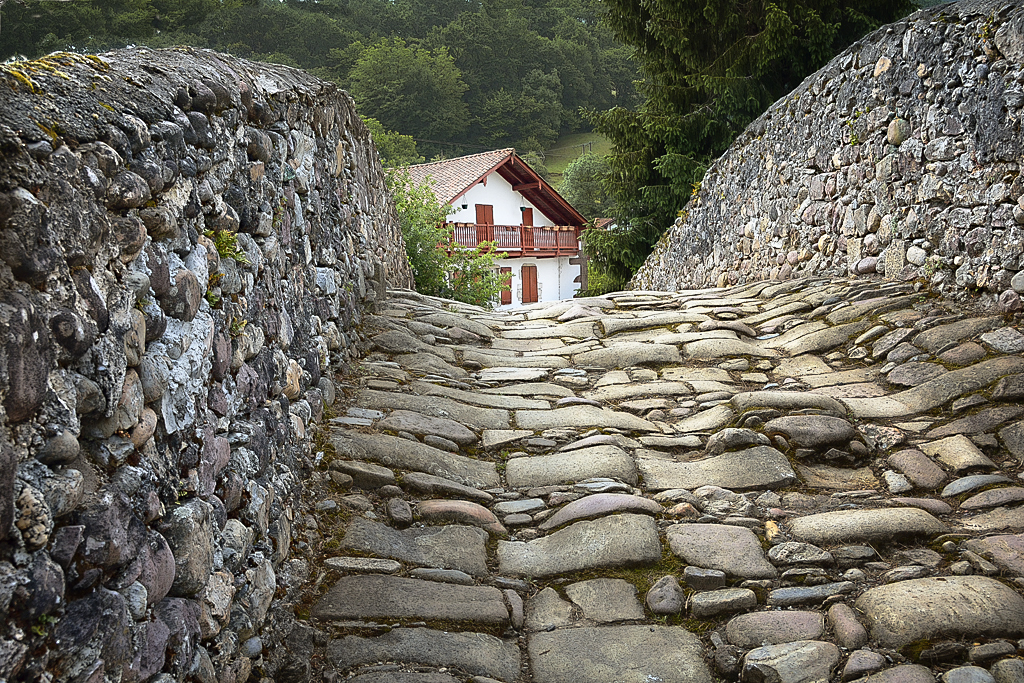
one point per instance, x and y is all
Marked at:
(529, 276)
(527, 216)
(506, 279)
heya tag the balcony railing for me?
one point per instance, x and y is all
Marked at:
(521, 240)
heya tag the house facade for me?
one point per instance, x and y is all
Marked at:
(496, 196)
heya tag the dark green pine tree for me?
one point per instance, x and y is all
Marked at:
(709, 67)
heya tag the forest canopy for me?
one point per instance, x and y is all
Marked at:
(459, 76)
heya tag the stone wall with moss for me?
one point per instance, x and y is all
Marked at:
(901, 157)
(187, 244)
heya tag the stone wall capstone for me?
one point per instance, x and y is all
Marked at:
(901, 157)
(188, 242)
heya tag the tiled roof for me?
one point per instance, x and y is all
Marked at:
(452, 177)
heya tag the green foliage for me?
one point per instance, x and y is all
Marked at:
(394, 148)
(226, 243)
(440, 266)
(709, 67)
(583, 187)
(462, 74)
(410, 89)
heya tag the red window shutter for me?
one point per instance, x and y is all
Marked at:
(529, 275)
(484, 214)
(506, 294)
(528, 216)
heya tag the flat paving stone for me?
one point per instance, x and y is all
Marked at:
(617, 541)
(734, 550)
(723, 601)
(1005, 551)
(787, 400)
(958, 453)
(825, 340)
(429, 484)
(984, 420)
(808, 595)
(937, 392)
(880, 525)
(576, 330)
(811, 431)
(914, 373)
(511, 374)
(506, 402)
(363, 564)
(448, 547)
(528, 388)
(571, 466)
(546, 611)
(598, 505)
(1004, 340)
(619, 392)
(904, 673)
(492, 360)
(381, 596)
(401, 677)
(625, 354)
(803, 661)
(771, 628)
(837, 478)
(420, 425)
(606, 601)
(919, 468)
(395, 452)
(581, 417)
(714, 349)
(430, 364)
(617, 654)
(941, 336)
(972, 483)
(759, 467)
(942, 607)
(436, 406)
(1000, 519)
(478, 653)
(444, 319)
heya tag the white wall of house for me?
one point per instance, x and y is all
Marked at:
(554, 278)
(498, 193)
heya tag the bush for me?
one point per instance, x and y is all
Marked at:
(441, 267)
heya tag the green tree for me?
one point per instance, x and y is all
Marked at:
(410, 89)
(709, 68)
(394, 148)
(583, 187)
(440, 266)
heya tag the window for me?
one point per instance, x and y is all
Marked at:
(527, 215)
(529, 276)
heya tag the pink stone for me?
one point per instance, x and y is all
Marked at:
(598, 505)
(461, 511)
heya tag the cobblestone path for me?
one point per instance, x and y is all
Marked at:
(778, 482)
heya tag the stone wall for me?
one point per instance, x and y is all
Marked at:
(187, 242)
(901, 157)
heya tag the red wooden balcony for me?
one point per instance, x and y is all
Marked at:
(521, 240)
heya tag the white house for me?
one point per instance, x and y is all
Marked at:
(497, 197)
